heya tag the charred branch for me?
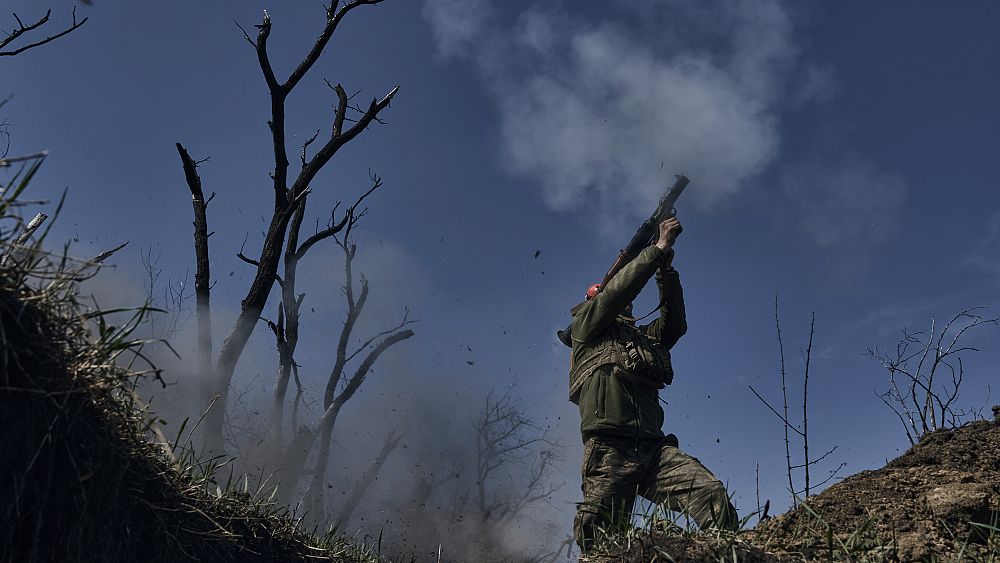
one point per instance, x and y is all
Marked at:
(333, 19)
(247, 259)
(288, 318)
(277, 121)
(341, 114)
(350, 218)
(362, 372)
(364, 345)
(22, 29)
(305, 146)
(263, 32)
(336, 142)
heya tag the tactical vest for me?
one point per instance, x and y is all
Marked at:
(632, 355)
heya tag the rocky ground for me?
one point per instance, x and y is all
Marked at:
(918, 506)
(923, 506)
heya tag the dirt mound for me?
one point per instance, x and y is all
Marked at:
(923, 505)
(79, 479)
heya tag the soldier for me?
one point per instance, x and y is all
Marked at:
(616, 372)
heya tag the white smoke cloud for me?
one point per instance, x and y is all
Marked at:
(602, 113)
(457, 23)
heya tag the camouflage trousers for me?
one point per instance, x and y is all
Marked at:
(617, 469)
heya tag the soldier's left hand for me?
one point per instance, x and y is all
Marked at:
(670, 229)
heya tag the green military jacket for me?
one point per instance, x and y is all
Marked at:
(617, 369)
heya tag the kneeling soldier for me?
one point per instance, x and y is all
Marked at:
(616, 372)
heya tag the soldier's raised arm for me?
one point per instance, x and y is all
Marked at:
(597, 314)
(671, 324)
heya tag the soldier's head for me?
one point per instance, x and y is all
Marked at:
(595, 289)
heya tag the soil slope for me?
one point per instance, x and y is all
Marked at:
(78, 478)
(917, 507)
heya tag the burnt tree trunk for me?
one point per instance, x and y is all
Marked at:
(202, 275)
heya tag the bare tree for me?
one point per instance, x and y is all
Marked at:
(507, 438)
(290, 194)
(926, 372)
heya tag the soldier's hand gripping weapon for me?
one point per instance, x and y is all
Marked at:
(645, 235)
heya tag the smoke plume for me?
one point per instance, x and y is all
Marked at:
(602, 109)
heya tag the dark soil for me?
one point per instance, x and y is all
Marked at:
(916, 508)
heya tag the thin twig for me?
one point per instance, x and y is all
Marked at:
(784, 396)
(805, 402)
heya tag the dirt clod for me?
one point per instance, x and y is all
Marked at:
(961, 502)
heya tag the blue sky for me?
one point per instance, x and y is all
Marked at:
(841, 155)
